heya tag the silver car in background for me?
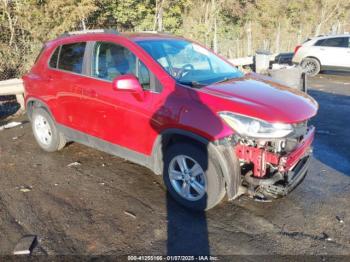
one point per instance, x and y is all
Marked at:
(324, 53)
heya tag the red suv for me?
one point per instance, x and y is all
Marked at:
(173, 106)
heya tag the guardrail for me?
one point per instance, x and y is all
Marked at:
(248, 60)
(13, 87)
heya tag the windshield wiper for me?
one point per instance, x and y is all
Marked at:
(225, 79)
(192, 84)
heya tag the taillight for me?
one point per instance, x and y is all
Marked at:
(296, 49)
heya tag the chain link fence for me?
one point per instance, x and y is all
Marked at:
(17, 54)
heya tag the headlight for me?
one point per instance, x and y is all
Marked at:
(256, 128)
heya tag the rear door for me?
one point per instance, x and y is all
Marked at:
(334, 51)
(66, 71)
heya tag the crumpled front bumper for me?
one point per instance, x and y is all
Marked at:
(294, 178)
(259, 157)
(292, 167)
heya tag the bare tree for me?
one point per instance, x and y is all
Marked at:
(158, 19)
(7, 12)
(215, 37)
(278, 38)
(328, 10)
(249, 37)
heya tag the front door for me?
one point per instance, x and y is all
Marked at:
(119, 117)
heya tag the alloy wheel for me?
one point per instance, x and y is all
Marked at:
(187, 177)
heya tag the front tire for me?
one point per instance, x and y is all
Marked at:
(192, 177)
(311, 66)
(45, 131)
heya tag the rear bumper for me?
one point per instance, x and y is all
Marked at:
(296, 59)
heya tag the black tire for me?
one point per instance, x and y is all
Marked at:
(57, 141)
(310, 66)
(214, 185)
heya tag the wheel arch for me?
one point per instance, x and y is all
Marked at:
(314, 57)
(32, 103)
(222, 153)
(166, 139)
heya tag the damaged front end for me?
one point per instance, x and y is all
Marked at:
(271, 168)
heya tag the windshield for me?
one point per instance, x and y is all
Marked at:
(188, 62)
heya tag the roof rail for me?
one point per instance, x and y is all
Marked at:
(155, 32)
(94, 31)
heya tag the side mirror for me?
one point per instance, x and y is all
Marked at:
(128, 83)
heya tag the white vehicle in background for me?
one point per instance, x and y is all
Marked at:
(324, 53)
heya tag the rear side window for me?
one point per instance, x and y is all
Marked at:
(334, 42)
(71, 57)
(54, 58)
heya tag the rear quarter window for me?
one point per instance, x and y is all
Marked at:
(54, 58)
(71, 57)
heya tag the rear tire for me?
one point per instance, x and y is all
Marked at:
(310, 66)
(45, 131)
(200, 185)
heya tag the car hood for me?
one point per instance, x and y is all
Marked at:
(261, 97)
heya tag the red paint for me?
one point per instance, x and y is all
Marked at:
(94, 107)
(291, 159)
(259, 157)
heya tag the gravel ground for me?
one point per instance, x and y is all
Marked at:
(109, 206)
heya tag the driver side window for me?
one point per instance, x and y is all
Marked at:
(143, 75)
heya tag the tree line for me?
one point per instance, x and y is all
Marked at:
(233, 28)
